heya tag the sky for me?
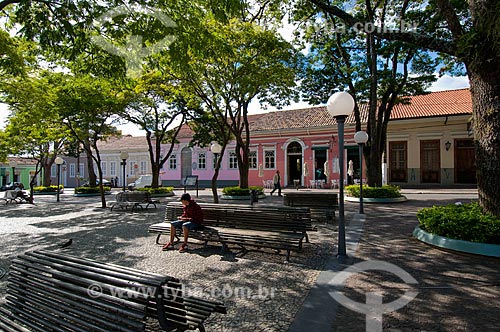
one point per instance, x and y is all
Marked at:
(443, 83)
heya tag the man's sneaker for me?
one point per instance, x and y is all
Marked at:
(168, 246)
(183, 248)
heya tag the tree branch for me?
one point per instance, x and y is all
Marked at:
(451, 18)
(422, 41)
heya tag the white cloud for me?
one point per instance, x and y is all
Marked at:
(447, 82)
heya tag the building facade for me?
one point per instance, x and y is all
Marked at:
(429, 143)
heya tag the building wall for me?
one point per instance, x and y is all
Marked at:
(415, 133)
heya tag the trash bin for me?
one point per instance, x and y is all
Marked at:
(254, 198)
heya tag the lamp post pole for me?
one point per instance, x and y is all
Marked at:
(124, 157)
(361, 138)
(59, 161)
(340, 105)
(13, 164)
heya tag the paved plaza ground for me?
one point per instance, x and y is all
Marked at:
(455, 292)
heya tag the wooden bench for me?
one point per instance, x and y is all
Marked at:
(280, 228)
(322, 204)
(134, 200)
(49, 291)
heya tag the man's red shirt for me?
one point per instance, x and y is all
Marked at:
(193, 212)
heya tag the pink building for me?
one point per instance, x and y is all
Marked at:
(429, 143)
(300, 143)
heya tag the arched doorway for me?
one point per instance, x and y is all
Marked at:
(186, 163)
(294, 155)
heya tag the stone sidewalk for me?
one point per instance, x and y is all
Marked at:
(455, 292)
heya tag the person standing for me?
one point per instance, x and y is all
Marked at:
(277, 183)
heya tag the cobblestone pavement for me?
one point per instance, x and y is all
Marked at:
(261, 292)
(456, 292)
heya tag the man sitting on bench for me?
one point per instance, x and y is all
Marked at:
(191, 219)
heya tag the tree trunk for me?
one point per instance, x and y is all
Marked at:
(155, 171)
(373, 159)
(46, 174)
(91, 171)
(485, 91)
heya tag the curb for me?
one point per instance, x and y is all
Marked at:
(377, 200)
(484, 249)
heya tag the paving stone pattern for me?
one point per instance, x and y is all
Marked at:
(456, 292)
(261, 292)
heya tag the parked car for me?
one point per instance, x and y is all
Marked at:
(142, 182)
(12, 186)
(104, 183)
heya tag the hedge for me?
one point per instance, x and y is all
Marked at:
(386, 191)
(460, 221)
(237, 191)
(49, 189)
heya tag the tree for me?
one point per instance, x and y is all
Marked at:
(33, 128)
(88, 107)
(229, 64)
(378, 73)
(155, 106)
(11, 58)
(468, 31)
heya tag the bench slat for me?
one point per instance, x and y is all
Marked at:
(50, 292)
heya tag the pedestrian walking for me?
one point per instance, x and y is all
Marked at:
(277, 183)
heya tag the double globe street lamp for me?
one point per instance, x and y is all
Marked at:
(124, 157)
(340, 105)
(59, 161)
(361, 137)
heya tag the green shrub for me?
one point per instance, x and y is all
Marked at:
(159, 190)
(49, 189)
(90, 190)
(462, 222)
(237, 191)
(386, 191)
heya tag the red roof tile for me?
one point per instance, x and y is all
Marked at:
(451, 102)
(126, 142)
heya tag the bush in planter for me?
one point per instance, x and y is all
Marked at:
(49, 189)
(159, 190)
(237, 191)
(386, 191)
(90, 190)
(462, 222)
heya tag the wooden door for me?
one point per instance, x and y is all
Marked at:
(430, 161)
(465, 161)
(398, 169)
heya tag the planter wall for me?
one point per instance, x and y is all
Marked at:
(377, 200)
(477, 248)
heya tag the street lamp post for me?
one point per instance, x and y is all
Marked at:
(216, 149)
(59, 161)
(124, 157)
(340, 105)
(361, 137)
(13, 165)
